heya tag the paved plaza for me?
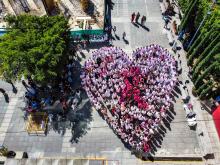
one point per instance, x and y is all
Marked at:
(92, 137)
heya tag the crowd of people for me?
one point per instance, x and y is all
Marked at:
(38, 97)
(132, 95)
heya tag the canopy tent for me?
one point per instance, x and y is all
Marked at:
(216, 117)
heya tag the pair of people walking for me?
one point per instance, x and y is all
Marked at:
(123, 34)
(135, 18)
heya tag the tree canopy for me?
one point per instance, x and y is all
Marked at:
(203, 55)
(33, 46)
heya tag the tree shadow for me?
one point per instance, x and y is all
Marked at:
(77, 71)
(80, 121)
(60, 124)
(91, 9)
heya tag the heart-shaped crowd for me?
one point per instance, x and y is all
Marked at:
(132, 95)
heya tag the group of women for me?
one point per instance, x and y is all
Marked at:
(132, 95)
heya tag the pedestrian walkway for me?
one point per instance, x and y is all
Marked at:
(8, 112)
(138, 37)
(206, 132)
(98, 140)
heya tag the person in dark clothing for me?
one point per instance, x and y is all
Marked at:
(5, 94)
(24, 84)
(2, 90)
(132, 17)
(143, 20)
(114, 29)
(137, 17)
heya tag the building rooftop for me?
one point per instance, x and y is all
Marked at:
(93, 18)
(81, 20)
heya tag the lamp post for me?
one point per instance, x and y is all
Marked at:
(200, 25)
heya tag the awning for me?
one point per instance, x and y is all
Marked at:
(88, 32)
(216, 117)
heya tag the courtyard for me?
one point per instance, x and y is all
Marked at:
(91, 137)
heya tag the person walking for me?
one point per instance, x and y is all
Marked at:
(166, 20)
(174, 47)
(137, 17)
(143, 20)
(114, 29)
(132, 17)
(123, 35)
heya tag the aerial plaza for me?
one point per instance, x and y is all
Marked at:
(109, 82)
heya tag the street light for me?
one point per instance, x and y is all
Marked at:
(200, 25)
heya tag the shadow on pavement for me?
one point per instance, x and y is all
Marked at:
(143, 26)
(126, 41)
(80, 120)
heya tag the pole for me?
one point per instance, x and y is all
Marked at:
(208, 13)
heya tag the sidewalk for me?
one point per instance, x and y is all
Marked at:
(99, 141)
(209, 141)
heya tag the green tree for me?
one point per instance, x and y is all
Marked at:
(201, 39)
(202, 87)
(212, 47)
(206, 61)
(207, 43)
(206, 73)
(201, 11)
(184, 4)
(34, 45)
(206, 92)
(188, 14)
